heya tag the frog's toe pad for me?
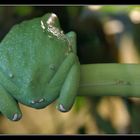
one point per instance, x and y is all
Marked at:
(61, 108)
(16, 117)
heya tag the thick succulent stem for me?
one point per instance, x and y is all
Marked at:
(110, 80)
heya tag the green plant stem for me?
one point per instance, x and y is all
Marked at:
(110, 80)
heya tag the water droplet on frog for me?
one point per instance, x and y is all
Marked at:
(32, 102)
(41, 100)
(37, 101)
(11, 75)
(49, 36)
(52, 67)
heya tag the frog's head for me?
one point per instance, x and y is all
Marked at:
(33, 57)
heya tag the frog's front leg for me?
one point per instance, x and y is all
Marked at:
(56, 83)
(71, 84)
(8, 105)
(72, 40)
(69, 89)
(64, 84)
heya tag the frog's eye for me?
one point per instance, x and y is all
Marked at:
(50, 19)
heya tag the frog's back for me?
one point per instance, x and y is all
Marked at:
(27, 48)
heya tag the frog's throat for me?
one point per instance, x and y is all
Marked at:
(9, 85)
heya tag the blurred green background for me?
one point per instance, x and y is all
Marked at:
(105, 34)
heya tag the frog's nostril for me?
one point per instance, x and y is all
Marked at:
(37, 101)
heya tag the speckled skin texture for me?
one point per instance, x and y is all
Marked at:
(38, 64)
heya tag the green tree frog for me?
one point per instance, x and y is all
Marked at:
(38, 64)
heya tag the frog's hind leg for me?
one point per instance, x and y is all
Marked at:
(9, 106)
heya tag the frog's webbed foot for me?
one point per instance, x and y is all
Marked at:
(8, 106)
